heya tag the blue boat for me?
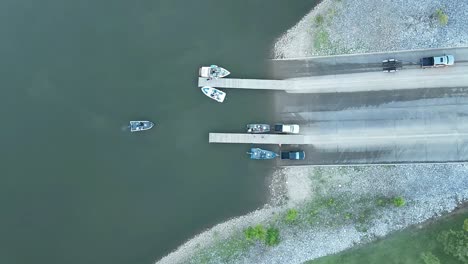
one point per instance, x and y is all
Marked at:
(261, 154)
(136, 126)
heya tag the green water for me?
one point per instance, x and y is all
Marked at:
(74, 186)
(403, 247)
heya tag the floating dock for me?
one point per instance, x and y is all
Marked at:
(325, 140)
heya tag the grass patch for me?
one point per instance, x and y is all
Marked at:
(321, 39)
(429, 258)
(406, 246)
(441, 16)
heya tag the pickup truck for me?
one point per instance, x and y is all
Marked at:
(441, 61)
(282, 128)
(292, 155)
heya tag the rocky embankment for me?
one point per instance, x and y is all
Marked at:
(360, 26)
(334, 208)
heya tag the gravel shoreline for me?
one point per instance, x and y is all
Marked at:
(362, 26)
(354, 216)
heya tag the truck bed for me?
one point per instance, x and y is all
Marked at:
(427, 62)
(285, 155)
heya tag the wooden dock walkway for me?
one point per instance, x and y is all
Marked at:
(257, 138)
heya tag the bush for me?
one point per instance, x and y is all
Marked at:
(272, 236)
(429, 258)
(255, 233)
(465, 225)
(441, 16)
(455, 243)
(291, 215)
(269, 236)
(319, 20)
(398, 201)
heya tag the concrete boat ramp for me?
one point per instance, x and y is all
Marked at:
(356, 82)
(411, 116)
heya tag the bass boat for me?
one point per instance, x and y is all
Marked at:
(258, 128)
(214, 93)
(261, 154)
(136, 126)
(213, 71)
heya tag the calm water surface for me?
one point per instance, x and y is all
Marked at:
(75, 187)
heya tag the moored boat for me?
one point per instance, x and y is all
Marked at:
(261, 154)
(136, 126)
(258, 128)
(214, 93)
(213, 71)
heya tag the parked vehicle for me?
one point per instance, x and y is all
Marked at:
(293, 155)
(283, 128)
(442, 61)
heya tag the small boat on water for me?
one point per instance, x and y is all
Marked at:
(213, 71)
(258, 128)
(214, 93)
(261, 154)
(136, 126)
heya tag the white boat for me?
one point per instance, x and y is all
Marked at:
(214, 93)
(136, 126)
(213, 71)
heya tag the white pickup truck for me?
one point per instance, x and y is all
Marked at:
(283, 128)
(441, 61)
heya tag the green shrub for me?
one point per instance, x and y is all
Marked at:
(291, 215)
(429, 258)
(398, 201)
(465, 225)
(272, 236)
(255, 233)
(441, 16)
(455, 243)
(319, 20)
(269, 236)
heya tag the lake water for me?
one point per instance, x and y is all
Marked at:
(75, 187)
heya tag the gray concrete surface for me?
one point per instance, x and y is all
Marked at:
(355, 63)
(454, 76)
(425, 125)
(354, 73)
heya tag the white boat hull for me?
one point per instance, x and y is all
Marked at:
(140, 125)
(214, 93)
(213, 71)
